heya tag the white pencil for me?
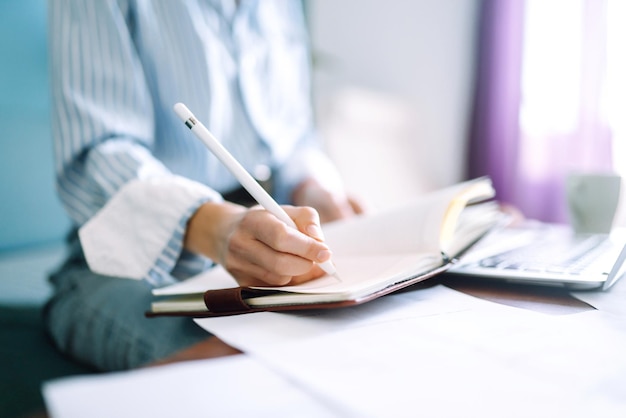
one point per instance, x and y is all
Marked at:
(247, 181)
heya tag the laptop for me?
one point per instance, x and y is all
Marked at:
(547, 254)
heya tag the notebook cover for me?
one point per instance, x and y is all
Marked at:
(224, 302)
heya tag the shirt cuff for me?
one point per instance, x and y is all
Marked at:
(139, 233)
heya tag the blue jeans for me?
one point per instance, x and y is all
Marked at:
(99, 320)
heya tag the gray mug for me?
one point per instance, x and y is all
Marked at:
(592, 200)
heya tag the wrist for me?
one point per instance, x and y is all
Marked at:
(208, 228)
(300, 193)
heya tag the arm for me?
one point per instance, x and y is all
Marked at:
(102, 122)
(103, 127)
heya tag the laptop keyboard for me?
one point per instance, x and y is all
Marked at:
(567, 258)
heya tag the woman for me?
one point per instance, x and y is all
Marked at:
(151, 204)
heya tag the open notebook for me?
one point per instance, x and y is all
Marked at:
(375, 254)
(547, 254)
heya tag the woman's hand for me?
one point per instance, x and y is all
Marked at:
(255, 247)
(331, 206)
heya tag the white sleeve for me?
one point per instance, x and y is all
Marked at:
(139, 233)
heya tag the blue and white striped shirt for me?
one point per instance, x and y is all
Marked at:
(118, 67)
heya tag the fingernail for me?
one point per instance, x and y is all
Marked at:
(323, 255)
(315, 231)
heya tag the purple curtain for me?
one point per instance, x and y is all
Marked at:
(529, 167)
(494, 132)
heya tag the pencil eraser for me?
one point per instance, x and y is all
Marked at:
(183, 113)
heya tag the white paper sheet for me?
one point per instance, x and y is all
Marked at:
(437, 352)
(230, 387)
(477, 363)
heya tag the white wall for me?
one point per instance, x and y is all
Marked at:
(393, 89)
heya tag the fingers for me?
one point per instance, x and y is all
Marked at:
(306, 242)
(307, 220)
(357, 206)
(263, 250)
(264, 278)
